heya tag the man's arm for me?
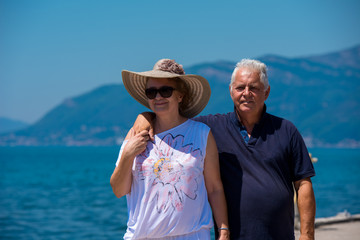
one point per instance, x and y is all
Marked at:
(144, 121)
(306, 206)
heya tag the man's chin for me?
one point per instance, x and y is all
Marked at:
(247, 108)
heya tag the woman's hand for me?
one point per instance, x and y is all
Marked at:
(224, 234)
(136, 143)
(121, 178)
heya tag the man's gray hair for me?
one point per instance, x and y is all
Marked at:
(255, 65)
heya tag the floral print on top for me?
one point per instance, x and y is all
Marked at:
(172, 172)
(168, 197)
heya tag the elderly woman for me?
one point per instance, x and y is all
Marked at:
(171, 182)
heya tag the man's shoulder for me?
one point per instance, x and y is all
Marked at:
(280, 125)
(279, 120)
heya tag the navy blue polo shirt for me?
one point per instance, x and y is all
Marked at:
(258, 176)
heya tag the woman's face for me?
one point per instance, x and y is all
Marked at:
(164, 104)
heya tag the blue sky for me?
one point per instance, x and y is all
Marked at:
(52, 50)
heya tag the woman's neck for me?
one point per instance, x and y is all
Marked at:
(164, 123)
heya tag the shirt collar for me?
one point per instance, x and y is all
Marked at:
(234, 117)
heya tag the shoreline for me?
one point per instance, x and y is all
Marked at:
(342, 217)
(344, 226)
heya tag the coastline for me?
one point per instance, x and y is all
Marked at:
(343, 226)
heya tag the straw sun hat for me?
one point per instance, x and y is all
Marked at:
(198, 87)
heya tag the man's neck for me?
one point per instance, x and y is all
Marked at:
(249, 120)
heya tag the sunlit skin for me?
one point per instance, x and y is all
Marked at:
(166, 109)
(162, 105)
(248, 94)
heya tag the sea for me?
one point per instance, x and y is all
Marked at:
(64, 192)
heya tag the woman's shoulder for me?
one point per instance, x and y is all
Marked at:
(196, 124)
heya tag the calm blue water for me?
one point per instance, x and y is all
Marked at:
(64, 192)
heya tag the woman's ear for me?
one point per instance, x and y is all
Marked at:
(180, 97)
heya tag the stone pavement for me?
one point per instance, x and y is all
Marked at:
(336, 231)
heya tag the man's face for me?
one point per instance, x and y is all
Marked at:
(248, 92)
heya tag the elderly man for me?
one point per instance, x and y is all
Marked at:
(263, 158)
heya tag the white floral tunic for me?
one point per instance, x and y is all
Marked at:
(168, 195)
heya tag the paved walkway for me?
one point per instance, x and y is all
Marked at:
(337, 231)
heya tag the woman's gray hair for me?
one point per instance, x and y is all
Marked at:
(255, 65)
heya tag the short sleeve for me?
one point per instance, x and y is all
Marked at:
(303, 166)
(203, 119)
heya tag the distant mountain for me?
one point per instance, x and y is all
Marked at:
(8, 125)
(319, 94)
(345, 59)
(99, 117)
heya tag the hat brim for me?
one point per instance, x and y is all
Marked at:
(199, 88)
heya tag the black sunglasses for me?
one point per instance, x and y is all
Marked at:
(164, 91)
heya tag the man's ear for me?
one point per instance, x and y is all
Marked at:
(230, 87)
(267, 92)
